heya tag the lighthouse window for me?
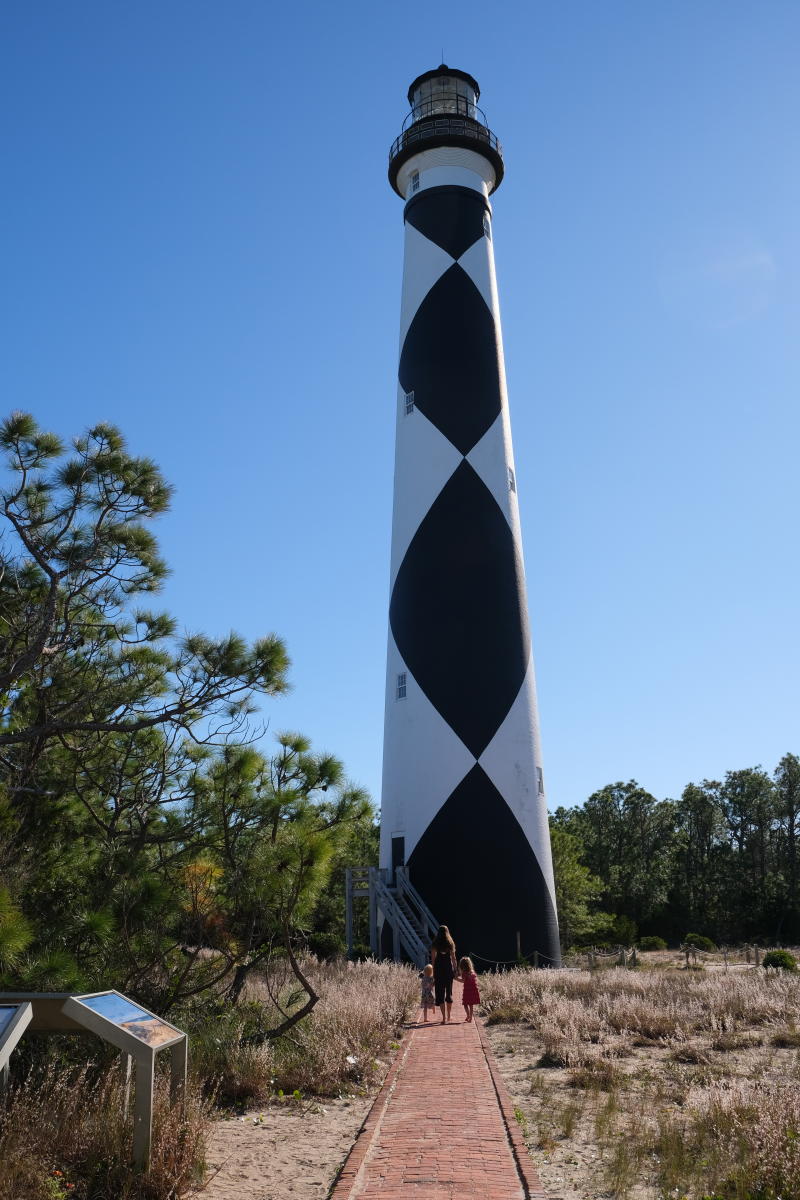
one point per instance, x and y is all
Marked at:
(512, 483)
(540, 777)
(409, 403)
(415, 181)
(401, 686)
(487, 228)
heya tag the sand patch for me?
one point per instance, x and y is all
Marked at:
(282, 1151)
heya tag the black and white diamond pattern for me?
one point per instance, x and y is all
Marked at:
(462, 776)
(449, 360)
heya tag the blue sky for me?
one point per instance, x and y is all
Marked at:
(199, 243)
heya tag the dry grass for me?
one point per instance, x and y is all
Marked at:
(655, 1084)
(338, 1048)
(65, 1133)
(361, 1010)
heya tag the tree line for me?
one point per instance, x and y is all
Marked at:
(722, 861)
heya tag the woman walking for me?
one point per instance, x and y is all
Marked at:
(443, 957)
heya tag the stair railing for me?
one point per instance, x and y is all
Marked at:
(405, 888)
(406, 934)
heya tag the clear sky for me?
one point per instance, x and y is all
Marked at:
(199, 244)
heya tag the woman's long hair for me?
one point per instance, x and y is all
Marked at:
(443, 943)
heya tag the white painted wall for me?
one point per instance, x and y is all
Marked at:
(447, 165)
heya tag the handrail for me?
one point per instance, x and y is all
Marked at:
(391, 908)
(394, 913)
(445, 127)
(406, 887)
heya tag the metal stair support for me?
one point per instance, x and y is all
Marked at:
(401, 906)
(356, 887)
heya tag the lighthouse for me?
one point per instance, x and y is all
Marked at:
(463, 804)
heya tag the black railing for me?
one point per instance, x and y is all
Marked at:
(445, 104)
(440, 127)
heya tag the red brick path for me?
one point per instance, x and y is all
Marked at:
(441, 1127)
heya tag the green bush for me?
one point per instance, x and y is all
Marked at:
(699, 942)
(623, 930)
(652, 943)
(780, 958)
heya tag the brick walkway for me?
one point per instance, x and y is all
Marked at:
(442, 1126)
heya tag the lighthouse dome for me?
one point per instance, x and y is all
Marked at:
(444, 112)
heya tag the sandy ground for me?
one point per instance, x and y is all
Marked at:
(560, 1122)
(282, 1151)
(569, 1167)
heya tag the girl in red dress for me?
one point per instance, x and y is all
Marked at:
(470, 995)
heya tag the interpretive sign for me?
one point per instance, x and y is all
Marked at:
(132, 1019)
(7, 1011)
(128, 1026)
(141, 1034)
(14, 1020)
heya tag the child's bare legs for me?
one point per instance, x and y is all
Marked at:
(468, 1009)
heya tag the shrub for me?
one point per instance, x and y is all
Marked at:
(736, 1041)
(652, 943)
(787, 1039)
(781, 959)
(506, 1013)
(699, 942)
(624, 930)
(598, 1075)
(227, 1057)
(326, 945)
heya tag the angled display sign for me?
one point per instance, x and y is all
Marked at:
(122, 1022)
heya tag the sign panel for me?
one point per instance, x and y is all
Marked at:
(134, 1020)
(7, 1012)
(14, 1020)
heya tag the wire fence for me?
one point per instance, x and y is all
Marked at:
(536, 957)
